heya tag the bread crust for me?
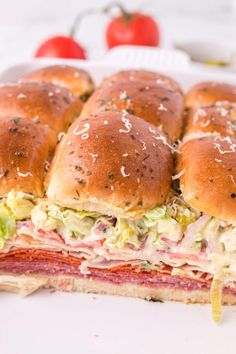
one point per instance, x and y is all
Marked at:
(112, 162)
(78, 81)
(42, 102)
(143, 75)
(219, 118)
(207, 93)
(208, 182)
(26, 285)
(145, 99)
(25, 150)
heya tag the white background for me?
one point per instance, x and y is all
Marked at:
(23, 24)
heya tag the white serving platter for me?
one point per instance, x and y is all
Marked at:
(71, 323)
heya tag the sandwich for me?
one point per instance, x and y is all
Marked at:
(118, 210)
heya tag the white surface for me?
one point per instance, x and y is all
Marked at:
(24, 24)
(56, 323)
(61, 323)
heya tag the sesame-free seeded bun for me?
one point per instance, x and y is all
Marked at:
(78, 81)
(40, 102)
(26, 150)
(207, 93)
(218, 118)
(208, 180)
(143, 75)
(113, 163)
(145, 99)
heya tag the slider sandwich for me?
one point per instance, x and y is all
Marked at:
(113, 222)
(113, 207)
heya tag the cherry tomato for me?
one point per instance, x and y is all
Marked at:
(134, 29)
(61, 47)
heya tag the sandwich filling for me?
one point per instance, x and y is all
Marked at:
(192, 244)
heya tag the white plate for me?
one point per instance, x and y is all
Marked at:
(59, 323)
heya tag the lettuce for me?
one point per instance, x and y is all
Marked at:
(125, 232)
(20, 204)
(181, 212)
(161, 223)
(77, 225)
(48, 216)
(7, 224)
(41, 219)
(152, 216)
(228, 238)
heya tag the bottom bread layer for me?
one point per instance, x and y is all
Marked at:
(25, 285)
(26, 270)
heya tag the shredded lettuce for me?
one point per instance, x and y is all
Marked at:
(228, 238)
(48, 216)
(181, 212)
(162, 223)
(145, 266)
(125, 232)
(41, 218)
(152, 216)
(20, 204)
(7, 224)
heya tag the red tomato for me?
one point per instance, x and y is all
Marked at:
(136, 29)
(61, 47)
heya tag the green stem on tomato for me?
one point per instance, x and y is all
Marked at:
(126, 15)
(105, 10)
(78, 19)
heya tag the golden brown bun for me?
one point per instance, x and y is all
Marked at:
(112, 163)
(207, 93)
(145, 99)
(144, 75)
(27, 284)
(25, 150)
(74, 79)
(41, 102)
(208, 183)
(219, 118)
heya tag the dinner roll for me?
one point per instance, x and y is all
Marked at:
(207, 93)
(113, 163)
(155, 104)
(26, 150)
(218, 118)
(143, 75)
(77, 80)
(44, 103)
(208, 178)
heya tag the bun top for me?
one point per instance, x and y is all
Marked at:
(25, 152)
(74, 79)
(207, 93)
(155, 104)
(219, 118)
(208, 181)
(113, 163)
(143, 75)
(43, 103)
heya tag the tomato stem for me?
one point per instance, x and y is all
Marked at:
(126, 15)
(78, 20)
(105, 10)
